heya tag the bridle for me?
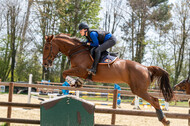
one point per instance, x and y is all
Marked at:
(71, 52)
(50, 54)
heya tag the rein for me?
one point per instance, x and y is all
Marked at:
(70, 53)
(76, 52)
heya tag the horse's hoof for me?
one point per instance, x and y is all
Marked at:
(165, 122)
(78, 86)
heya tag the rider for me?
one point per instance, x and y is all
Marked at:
(102, 40)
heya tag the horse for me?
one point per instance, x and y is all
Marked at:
(136, 75)
(183, 85)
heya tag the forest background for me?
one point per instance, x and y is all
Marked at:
(151, 32)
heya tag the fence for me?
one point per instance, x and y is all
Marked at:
(113, 111)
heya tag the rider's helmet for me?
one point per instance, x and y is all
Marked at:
(83, 26)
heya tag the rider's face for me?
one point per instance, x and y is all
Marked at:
(83, 32)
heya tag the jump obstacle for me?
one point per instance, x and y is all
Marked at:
(113, 111)
(82, 94)
(139, 103)
(54, 95)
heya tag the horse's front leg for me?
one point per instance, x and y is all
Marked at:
(76, 71)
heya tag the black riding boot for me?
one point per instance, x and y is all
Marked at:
(95, 64)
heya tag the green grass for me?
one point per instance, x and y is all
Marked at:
(97, 99)
(4, 124)
(180, 104)
(184, 104)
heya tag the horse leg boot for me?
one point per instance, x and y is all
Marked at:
(162, 118)
(160, 114)
(95, 64)
(155, 103)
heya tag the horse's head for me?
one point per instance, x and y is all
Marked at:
(50, 51)
(181, 85)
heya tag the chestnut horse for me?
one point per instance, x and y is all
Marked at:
(137, 76)
(183, 85)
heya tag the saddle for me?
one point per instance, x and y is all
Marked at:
(106, 57)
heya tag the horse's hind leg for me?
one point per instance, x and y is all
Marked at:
(155, 103)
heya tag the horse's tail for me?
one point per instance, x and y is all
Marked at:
(163, 80)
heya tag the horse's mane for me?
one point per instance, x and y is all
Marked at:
(66, 36)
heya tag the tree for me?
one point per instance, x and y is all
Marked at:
(180, 36)
(21, 62)
(12, 12)
(142, 14)
(47, 20)
(71, 13)
(112, 15)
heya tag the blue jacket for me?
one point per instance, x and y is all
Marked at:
(95, 41)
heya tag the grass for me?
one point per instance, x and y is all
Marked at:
(4, 124)
(179, 103)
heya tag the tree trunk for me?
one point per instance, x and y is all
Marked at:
(132, 33)
(13, 38)
(140, 41)
(181, 52)
(62, 68)
(25, 27)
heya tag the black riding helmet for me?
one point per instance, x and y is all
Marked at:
(83, 26)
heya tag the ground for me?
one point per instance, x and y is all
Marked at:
(99, 118)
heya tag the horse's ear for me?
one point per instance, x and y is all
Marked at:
(188, 78)
(51, 37)
(46, 37)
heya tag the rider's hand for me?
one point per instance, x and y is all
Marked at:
(84, 43)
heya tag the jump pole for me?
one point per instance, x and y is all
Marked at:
(189, 113)
(9, 109)
(115, 93)
(136, 102)
(77, 93)
(29, 88)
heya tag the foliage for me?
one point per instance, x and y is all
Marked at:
(70, 14)
(141, 16)
(28, 66)
(73, 12)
